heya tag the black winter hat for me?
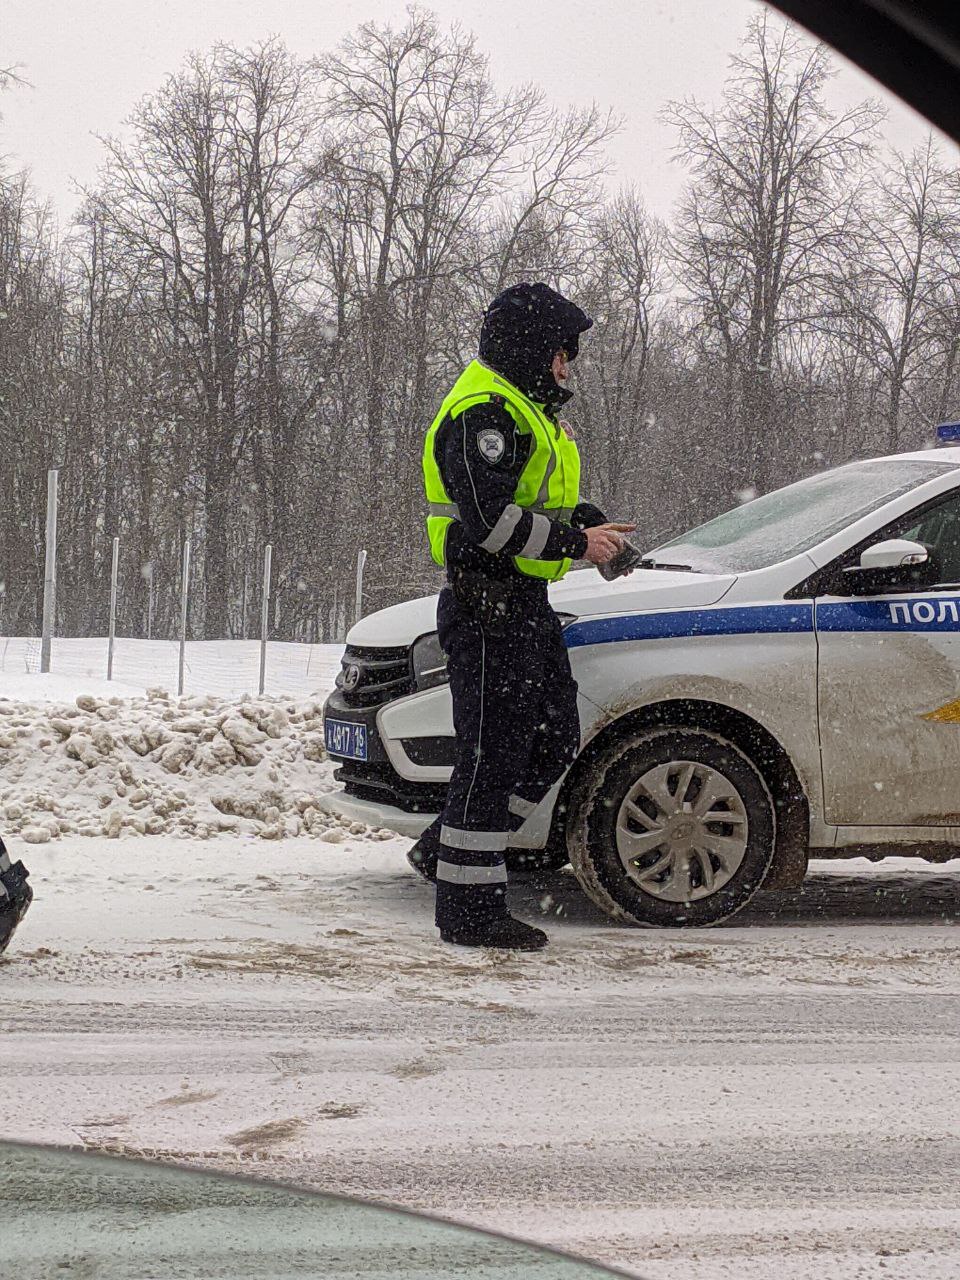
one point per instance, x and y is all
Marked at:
(536, 317)
(523, 329)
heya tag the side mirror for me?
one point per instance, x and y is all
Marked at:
(889, 566)
(894, 553)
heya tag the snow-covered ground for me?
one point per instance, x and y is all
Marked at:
(777, 1097)
(774, 1098)
(224, 668)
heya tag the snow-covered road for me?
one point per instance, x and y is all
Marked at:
(775, 1098)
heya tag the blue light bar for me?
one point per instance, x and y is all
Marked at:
(949, 431)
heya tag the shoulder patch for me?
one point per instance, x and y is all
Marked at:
(491, 444)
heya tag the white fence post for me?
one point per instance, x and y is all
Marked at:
(114, 566)
(184, 600)
(148, 571)
(361, 561)
(50, 570)
(265, 612)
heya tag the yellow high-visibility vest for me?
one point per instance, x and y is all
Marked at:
(549, 483)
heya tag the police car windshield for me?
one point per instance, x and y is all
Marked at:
(790, 520)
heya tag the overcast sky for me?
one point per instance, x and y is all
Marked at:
(89, 61)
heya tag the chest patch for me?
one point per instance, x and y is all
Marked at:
(491, 444)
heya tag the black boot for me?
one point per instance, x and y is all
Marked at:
(501, 931)
(425, 853)
(17, 896)
(474, 914)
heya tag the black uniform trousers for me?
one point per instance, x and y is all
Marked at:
(518, 729)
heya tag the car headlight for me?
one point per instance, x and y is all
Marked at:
(429, 662)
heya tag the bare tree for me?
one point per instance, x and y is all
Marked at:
(425, 147)
(201, 200)
(898, 288)
(32, 306)
(768, 209)
(623, 289)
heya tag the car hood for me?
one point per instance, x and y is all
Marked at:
(583, 592)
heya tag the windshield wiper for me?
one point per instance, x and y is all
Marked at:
(674, 568)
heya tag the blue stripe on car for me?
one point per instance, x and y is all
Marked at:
(675, 623)
(911, 614)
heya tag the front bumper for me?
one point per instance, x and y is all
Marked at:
(377, 779)
(342, 805)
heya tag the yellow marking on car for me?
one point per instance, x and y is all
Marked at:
(949, 713)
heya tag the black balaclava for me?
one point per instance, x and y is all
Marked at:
(523, 329)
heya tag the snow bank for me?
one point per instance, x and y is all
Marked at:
(155, 765)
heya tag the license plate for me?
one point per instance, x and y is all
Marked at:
(343, 738)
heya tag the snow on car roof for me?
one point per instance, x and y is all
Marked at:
(947, 455)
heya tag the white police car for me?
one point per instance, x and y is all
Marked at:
(785, 678)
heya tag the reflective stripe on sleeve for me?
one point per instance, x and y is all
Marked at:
(482, 841)
(500, 534)
(522, 808)
(446, 509)
(538, 539)
(453, 874)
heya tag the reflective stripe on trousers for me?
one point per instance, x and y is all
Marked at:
(456, 873)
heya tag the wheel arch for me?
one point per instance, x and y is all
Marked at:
(791, 803)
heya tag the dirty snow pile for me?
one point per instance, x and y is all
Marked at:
(153, 765)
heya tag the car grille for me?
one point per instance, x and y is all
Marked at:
(380, 783)
(369, 677)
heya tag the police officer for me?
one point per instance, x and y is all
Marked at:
(502, 479)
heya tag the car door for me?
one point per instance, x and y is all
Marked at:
(889, 685)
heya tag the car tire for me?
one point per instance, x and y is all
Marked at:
(672, 827)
